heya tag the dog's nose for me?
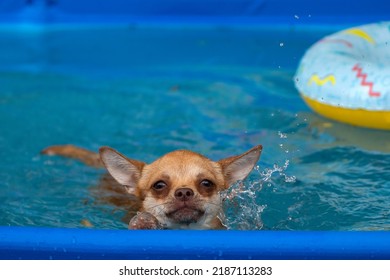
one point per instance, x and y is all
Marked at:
(184, 194)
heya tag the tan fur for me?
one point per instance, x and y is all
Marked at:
(181, 172)
(180, 190)
(182, 169)
(83, 155)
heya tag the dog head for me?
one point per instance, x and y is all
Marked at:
(182, 188)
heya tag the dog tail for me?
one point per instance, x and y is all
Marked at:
(85, 156)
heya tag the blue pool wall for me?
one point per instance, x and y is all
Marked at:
(58, 243)
(199, 11)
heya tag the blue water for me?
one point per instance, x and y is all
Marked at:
(149, 90)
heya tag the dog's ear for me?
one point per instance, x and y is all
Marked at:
(124, 170)
(238, 167)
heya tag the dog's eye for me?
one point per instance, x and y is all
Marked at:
(159, 185)
(207, 183)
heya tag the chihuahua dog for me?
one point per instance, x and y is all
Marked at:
(180, 190)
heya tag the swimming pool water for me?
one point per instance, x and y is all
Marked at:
(146, 91)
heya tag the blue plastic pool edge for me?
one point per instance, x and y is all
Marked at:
(59, 243)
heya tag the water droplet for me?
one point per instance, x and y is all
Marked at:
(290, 179)
(282, 135)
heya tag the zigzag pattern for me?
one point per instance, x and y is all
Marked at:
(363, 77)
(316, 79)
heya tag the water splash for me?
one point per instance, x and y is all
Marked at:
(282, 135)
(242, 209)
(280, 170)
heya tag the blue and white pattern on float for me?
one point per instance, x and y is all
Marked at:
(349, 69)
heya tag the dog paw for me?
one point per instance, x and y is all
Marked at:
(144, 220)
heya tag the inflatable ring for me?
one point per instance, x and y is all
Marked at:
(346, 76)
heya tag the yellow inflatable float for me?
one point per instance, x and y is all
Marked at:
(346, 76)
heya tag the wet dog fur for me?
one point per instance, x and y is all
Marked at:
(180, 190)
